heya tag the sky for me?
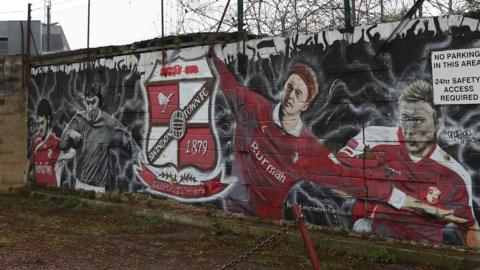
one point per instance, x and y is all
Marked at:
(112, 22)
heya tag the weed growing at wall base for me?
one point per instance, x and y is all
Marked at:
(382, 256)
(47, 200)
(4, 242)
(217, 229)
(71, 203)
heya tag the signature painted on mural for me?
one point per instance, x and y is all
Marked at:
(323, 206)
(463, 136)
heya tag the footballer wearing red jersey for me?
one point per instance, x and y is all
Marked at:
(428, 190)
(273, 149)
(45, 148)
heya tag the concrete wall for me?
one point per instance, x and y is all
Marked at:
(13, 123)
(254, 132)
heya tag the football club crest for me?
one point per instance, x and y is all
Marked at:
(433, 195)
(182, 147)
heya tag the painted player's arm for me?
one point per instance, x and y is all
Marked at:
(412, 204)
(455, 207)
(325, 170)
(71, 136)
(352, 159)
(459, 202)
(236, 93)
(356, 156)
(121, 138)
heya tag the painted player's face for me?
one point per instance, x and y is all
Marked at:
(295, 95)
(42, 124)
(92, 107)
(418, 125)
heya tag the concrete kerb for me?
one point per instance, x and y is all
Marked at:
(324, 239)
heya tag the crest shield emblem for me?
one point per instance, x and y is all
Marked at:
(433, 195)
(182, 148)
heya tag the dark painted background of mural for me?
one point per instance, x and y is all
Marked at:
(121, 98)
(358, 86)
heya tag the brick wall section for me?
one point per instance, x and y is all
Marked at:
(13, 151)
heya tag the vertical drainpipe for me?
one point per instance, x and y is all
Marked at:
(346, 11)
(240, 37)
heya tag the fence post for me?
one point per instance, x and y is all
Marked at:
(306, 237)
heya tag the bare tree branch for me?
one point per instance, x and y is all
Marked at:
(286, 17)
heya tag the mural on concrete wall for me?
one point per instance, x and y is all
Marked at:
(85, 126)
(343, 124)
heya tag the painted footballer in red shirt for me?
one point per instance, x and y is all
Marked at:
(45, 148)
(273, 149)
(428, 191)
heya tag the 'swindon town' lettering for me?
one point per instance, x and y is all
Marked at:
(267, 164)
(189, 110)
